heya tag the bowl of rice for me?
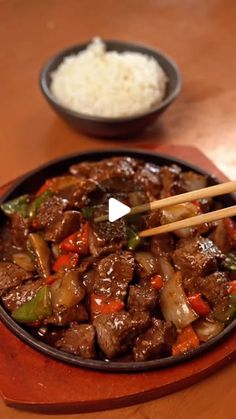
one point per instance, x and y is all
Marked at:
(110, 88)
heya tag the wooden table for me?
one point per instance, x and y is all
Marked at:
(200, 36)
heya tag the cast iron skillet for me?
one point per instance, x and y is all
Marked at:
(31, 182)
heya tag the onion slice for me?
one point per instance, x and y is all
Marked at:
(174, 303)
(67, 291)
(148, 264)
(165, 267)
(180, 212)
(41, 253)
(207, 329)
(24, 261)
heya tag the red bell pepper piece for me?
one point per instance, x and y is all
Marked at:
(67, 261)
(157, 282)
(36, 323)
(230, 227)
(48, 184)
(197, 204)
(231, 287)
(50, 279)
(186, 340)
(77, 242)
(35, 224)
(101, 304)
(200, 306)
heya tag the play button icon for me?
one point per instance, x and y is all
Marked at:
(116, 209)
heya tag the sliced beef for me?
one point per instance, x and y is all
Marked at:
(97, 178)
(134, 198)
(11, 275)
(68, 187)
(82, 169)
(220, 237)
(115, 167)
(6, 248)
(117, 186)
(162, 245)
(147, 178)
(20, 231)
(116, 332)
(170, 181)
(64, 316)
(142, 297)
(20, 294)
(87, 273)
(113, 275)
(100, 198)
(106, 237)
(68, 224)
(79, 340)
(86, 264)
(196, 256)
(152, 219)
(88, 279)
(213, 287)
(192, 181)
(155, 342)
(78, 195)
(50, 212)
(206, 204)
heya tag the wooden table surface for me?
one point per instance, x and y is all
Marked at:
(200, 35)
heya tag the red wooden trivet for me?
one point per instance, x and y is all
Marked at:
(32, 381)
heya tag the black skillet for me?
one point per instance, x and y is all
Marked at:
(29, 183)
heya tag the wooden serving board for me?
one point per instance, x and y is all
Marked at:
(32, 381)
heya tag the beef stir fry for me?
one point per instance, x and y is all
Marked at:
(99, 291)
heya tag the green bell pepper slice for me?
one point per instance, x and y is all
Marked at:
(87, 212)
(230, 262)
(133, 239)
(226, 316)
(19, 204)
(34, 205)
(38, 308)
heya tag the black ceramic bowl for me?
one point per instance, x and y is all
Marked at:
(112, 127)
(31, 182)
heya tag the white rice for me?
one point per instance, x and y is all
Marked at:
(108, 84)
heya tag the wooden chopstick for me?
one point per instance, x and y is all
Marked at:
(208, 192)
(190, 222)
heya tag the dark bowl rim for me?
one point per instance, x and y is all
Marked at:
(44, 72)
(111, 366)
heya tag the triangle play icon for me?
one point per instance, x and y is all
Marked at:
(116, 209)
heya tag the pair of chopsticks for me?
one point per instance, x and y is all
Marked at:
(208, 192)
